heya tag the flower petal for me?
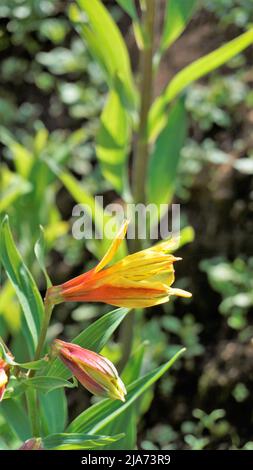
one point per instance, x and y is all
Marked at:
(113, 247)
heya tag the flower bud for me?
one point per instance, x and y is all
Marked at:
(95, 372)
(4, 377)
(32, 444)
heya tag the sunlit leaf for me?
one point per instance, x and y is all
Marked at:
(194, 71)
(129, 7)
(75, 441)
(113, 142)
(105, 43)
(39, 250)
(23, 283)
(177, 15)
(94, 337)
(164, 160)
(101, 414)
(127, 421)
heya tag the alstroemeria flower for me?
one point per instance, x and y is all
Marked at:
(94, 372)
(142, 279)
(4, 377)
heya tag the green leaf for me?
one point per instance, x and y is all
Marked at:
(113, 142)
(164, 160)
(101, 414)
(12, 187)
(94, 337)
(39, 250)
(105, 43)
(24, 285)
(177, 15)
(14, 414)
(132, 370)
(75, 441)
(35, 365)
(194, 71)
(129, 7)
(54, 411)
(48, 384)
(127, 421)
(98, 215)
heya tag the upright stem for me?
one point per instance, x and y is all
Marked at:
(31, 399)
(31, 394)
(141, 153)
(48, 308)
(146, 91)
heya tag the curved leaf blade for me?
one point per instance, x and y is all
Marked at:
(112, 142)
(77, 441)
(94, 337)
(101, 414)
(164, 160)
(194, 71)
(23, 283)
(105, 43)
(177, 15)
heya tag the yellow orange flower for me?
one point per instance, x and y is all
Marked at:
(140, 280)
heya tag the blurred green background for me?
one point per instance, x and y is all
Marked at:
(51, 95)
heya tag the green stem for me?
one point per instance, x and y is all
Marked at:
(31, 398)
(146, 91)
(141, 154)
(47, 315)
(31, 394)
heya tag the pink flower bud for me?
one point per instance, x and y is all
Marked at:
(32, 444)
(96, 373)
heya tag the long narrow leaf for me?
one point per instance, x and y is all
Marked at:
(23, 283)
(113, 141)
(94, 337)
(177, 15)
(106, 43)
(14, 414)
(164, 160)
(75, 441)
(192, 72)
(101, 414)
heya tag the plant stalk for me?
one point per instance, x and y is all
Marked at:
(141, 154)
(31, 399)
(48, 306)
(31, 394)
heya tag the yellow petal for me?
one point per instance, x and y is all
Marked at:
(166, 245)
(113, 247)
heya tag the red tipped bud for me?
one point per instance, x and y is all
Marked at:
(96, 373)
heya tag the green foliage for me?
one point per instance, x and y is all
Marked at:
(75, 441)
(113, 141)
(72, 120)
(24, 285)
(165, 157)
(193, 72)
(177, 15)
(234, 282)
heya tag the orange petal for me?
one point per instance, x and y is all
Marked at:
(113, 247)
